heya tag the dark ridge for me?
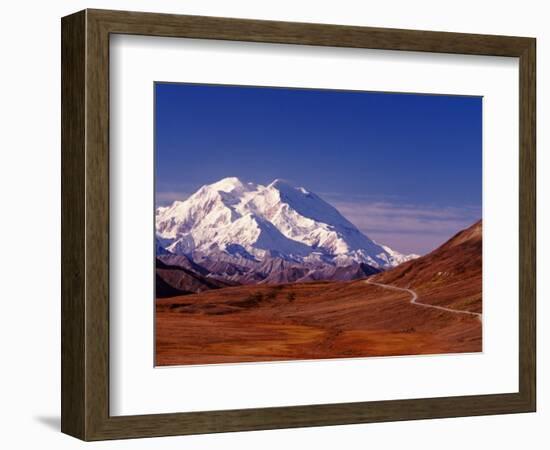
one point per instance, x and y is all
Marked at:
(163, 289)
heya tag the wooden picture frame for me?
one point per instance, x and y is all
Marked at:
(85, 224)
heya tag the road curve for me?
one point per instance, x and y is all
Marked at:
(414, 300)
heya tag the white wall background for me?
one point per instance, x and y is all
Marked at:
(30, 229)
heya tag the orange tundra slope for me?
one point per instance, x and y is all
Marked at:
(450, 276)
(332, 319)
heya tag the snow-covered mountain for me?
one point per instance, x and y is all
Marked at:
(250, 224)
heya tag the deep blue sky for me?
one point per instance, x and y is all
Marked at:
(378, 157)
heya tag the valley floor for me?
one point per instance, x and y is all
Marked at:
(309, 321)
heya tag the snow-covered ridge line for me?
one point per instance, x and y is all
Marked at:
(252, 222)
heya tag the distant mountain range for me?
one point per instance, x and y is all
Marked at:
(232, 232)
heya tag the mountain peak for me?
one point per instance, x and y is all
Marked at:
(262, 220)
(286, 186)
(228, 184)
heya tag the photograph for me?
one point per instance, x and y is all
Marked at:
(309, 224)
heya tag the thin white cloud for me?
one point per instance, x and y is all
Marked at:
(405, 227)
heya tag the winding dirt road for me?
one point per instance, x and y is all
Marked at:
(414, 300)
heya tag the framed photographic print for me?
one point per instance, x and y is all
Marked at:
(271, 224)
